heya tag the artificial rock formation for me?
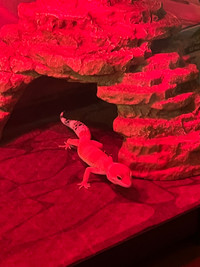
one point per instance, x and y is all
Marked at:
(109, 42)
(159, 117)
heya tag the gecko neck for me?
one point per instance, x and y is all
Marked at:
(108, 163)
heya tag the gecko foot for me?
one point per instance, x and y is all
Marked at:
(66, 146)
(84, 184)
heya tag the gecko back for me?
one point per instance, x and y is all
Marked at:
(80, 129)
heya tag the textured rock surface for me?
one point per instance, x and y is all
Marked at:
(159, 118)
(86, 41)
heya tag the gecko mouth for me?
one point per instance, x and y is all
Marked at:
(127, 185)
(123, 184)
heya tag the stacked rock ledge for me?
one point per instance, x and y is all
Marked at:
(85, 41)
(159, 117)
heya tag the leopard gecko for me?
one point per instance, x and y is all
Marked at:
(90, 151)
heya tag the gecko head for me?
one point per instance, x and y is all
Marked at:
(120, 174)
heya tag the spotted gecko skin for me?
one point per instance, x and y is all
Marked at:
(78, 127)
(98, 161)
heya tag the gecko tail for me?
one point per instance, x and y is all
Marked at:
(63, 119)
(80, 129)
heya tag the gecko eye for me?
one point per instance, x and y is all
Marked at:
(119, 178)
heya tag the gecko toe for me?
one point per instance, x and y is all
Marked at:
(65, 146)
(85, 185)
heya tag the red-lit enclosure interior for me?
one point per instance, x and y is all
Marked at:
(45, 219)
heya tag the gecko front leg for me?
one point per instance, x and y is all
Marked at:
(86, 176)
(70, 143)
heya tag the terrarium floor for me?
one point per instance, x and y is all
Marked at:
(46, 220)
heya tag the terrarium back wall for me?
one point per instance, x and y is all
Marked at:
(110, 43)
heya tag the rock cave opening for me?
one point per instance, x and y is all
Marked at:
(45, 97)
